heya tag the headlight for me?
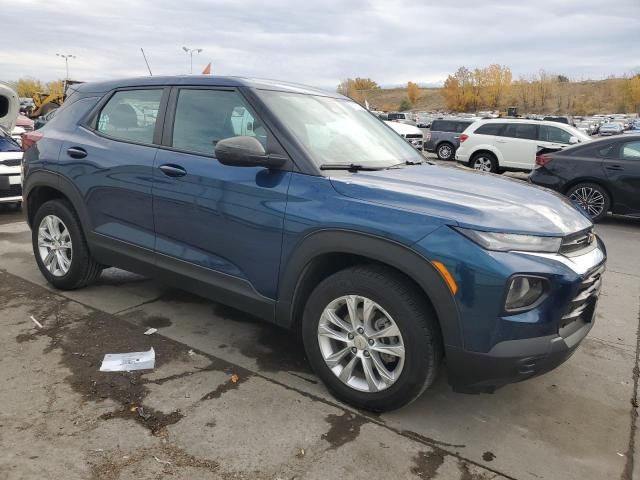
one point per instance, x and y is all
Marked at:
(524, 292)
(504, 242)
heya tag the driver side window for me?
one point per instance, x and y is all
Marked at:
(204, 117)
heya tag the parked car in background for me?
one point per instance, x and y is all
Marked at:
(424, 122)
(560, 119)
(398, 116)
(634, 128)
(42, 120)
(330, 224)
(10, 166)
(586, 127)
(510, 144)
(411, 134)
(601, 176)
(444, 137)
(611, 128)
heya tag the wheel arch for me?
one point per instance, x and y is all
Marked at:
(43, 186)
(325, 252)
(485, 150)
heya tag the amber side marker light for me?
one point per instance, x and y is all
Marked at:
(446, 275)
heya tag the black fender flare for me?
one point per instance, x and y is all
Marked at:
(47, 178)
(378, 249)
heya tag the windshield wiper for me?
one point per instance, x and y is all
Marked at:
(352, 167)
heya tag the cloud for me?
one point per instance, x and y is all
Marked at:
(321, 42)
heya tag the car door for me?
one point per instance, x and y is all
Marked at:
(623, 172)
(110, 160)
(216, 223)
(518, 145)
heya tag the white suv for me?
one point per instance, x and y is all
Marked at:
(510, 144)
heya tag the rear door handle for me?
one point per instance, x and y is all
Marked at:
(614, 167)
(173, 170)
(76, 152)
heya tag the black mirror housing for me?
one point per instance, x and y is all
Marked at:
(245, 151)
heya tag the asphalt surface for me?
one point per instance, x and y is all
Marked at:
(231, 397)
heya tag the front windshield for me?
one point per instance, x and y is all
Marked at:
(337, 131)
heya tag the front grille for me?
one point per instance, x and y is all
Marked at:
(578, 243)
(13, 162)
(14, 191)
(581, 308)
(413, 135)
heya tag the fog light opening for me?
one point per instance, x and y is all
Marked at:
(525, 292)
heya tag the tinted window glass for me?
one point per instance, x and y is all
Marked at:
(490, 129)
(462, 126)
(631, 151)
(204, 117)
(131, 115)
(443, 126)
(525, 131)
(554, 134)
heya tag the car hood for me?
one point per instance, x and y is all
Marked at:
(467, 198)
(403, 128)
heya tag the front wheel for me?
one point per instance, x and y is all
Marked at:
(592, 198)
(371, 337)
(60, 247)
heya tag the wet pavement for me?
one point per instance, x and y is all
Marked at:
(232, 397)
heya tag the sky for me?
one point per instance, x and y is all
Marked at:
(318, 42)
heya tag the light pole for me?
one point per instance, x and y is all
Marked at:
(66, 64)
(190, 51)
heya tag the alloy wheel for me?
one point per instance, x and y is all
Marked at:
(482, 164)
(445, 152)
(361, 343)
(589, 199)
(54, 245)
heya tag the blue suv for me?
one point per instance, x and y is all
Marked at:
(300, 207)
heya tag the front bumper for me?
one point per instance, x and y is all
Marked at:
(511, 361)
(10, 189)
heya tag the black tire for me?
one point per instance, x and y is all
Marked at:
(83, 269)
(414, 317)
(484, 155)
(445, 151)
(601, 204)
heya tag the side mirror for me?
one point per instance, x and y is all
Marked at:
(573, 140)
(246, 151)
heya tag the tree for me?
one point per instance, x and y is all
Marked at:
(413, 92)
(404, 105)
(357, 88)
(563, 79)
(26, 87)
(56, 87)
(497, 80)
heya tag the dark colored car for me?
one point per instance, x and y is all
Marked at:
(43, 119)
(560, 119)
(601, 176)
(301, 207)
(444, 137)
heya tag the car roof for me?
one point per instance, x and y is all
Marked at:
(521, 120)
(201, 80)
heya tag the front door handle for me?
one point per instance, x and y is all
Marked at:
(614, 167)
(173, 170)
(76, 152)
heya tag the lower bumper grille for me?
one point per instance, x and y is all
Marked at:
(580, 310)
(13, 191)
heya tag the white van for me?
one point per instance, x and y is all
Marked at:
(498, 145)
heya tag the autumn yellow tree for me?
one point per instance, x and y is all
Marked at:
(496, 85)
(357, 89)
(27, 87)
(413, 92)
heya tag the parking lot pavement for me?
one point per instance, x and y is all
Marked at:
(231, 397)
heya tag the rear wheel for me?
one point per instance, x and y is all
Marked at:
(371, 337)
(592, 198)
(60, 247)
(484, 162)
(445, 151)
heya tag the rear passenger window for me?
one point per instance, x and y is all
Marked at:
(461, 126)
(525, 131)
(131, 115)
(490, 129)
(443, 126)
(554, 134)
(631, 151)
(204, 117)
